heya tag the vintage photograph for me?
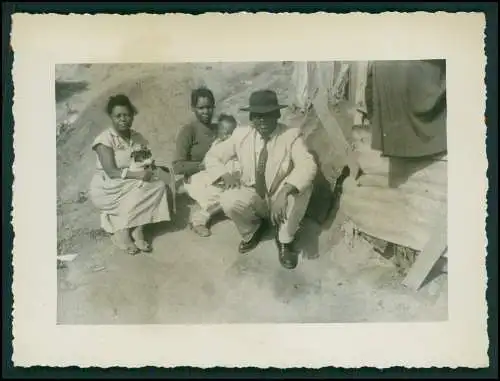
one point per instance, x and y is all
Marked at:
(252, 192)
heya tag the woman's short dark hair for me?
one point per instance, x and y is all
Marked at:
(227, 118)
(120, 100)
(201, 92)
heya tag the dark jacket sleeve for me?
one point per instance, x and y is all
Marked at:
(426, 88)
(182, 162)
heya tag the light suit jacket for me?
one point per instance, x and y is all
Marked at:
(288, 158)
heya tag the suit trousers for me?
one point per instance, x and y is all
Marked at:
(206, 197)
(247, 210)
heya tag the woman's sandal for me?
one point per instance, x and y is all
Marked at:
(132, 250)
(201, 230)
(143, 245)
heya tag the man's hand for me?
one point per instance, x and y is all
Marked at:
(201, 166)
(230, 181)
(278, 209)
(279, 206)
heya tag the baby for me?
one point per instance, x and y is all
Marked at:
(200, 183)
(225, 128)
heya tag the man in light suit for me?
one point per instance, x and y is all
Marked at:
(277, 172)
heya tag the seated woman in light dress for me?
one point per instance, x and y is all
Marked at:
(127, 200)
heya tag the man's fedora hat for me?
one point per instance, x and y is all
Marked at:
(262, 102)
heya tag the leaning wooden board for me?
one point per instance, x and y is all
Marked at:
(344, 153)
(426, 260)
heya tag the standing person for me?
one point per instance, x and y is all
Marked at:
(406, 106)
(277, 173)
(127, 199)
(193, 142)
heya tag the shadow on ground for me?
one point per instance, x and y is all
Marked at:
(314, 226)
(180, 219)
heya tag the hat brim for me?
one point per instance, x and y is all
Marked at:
(263, 109)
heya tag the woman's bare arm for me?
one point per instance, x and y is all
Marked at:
(107, 159)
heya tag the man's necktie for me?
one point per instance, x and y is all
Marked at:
(260, 172)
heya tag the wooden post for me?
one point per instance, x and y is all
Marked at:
(429, 256)
(358, 91)
(341, 81)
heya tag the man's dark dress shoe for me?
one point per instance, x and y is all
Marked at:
(287, 256)
(245, 247)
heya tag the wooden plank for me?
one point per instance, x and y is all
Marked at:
(431, 253)
(372, 162)
(342, 111)
(427, 189)
(392, 197)
(320, 145)
(391, 226)
(341, 81)
(393, 215)
(300, 79)
(337, 138)
(429, 177)
(361, 69)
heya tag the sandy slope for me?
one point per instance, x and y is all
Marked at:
(188, 279)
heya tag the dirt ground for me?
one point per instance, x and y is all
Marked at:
(189, 279)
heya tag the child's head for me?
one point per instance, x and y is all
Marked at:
(141, 155)
(226, 125)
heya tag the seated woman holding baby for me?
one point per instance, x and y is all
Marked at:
(194, 140)
(128, 195)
